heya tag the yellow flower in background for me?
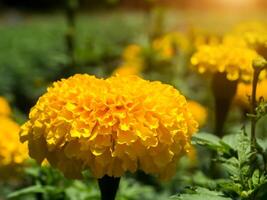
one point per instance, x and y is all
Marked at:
(4, 107)
(200, 114)
(132, 61)
(198, 111)
(111, 126)
(200, 40)
(126, 70)
(244, 92)
(132, 52)
(254, 34)
(168, 45)
(232, 57)
(12, 152)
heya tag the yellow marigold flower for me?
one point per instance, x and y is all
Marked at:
(244, 91)
(4, 107)
(232, 57)
(131, 52)
(132, 61)
(111, 126)
(12, 152)
(169, 44)
(199, 112)
(255, 35)
(200, 40)
(126, 70)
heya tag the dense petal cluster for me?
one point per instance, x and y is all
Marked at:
(111, 126)
(232, 57)
(12, 152)
(199, 112)
(244, 91)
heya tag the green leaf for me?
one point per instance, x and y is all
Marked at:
(28, 190)
(243, 149)
(232, 166)
(212, 142)
(256, 178)
(201, 194)
(207, 139)
(51, 190)
(231, 140)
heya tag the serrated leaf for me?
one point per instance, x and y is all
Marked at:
(243, 149)
(232, 166)
(256, 178)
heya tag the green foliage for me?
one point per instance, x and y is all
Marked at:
(200, 194)
(32, 55)
(247, 176)
(48, 183)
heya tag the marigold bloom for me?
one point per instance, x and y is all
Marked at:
(4, 107)
(12, 152)
(232, 57)
(132, 61)
(254, 34)
(126, 70)
(167, 45)
(199, 112)
(111, 126)
(244, 91)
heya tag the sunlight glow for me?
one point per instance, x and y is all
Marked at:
(238, 3)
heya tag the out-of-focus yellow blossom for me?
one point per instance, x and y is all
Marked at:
(167, 45)
(132, 61)
(200, 40)
(4, 107)
(125, 70)
(12, 152)
(200, 114)
(132, 52)
(232, 57)
(198, 111)
(244, 91)
(111, 126)
(255, 35)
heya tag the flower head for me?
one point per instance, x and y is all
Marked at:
(132, 61)
(232, 57)
(167, 45)
(244, 91)
(111, 126)
(254, 34)
(4, 107)
(199, 112)
(127, 69)
(12, 152)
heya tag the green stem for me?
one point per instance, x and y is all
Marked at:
(253, 107)
(108, 187)
(71, 12)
